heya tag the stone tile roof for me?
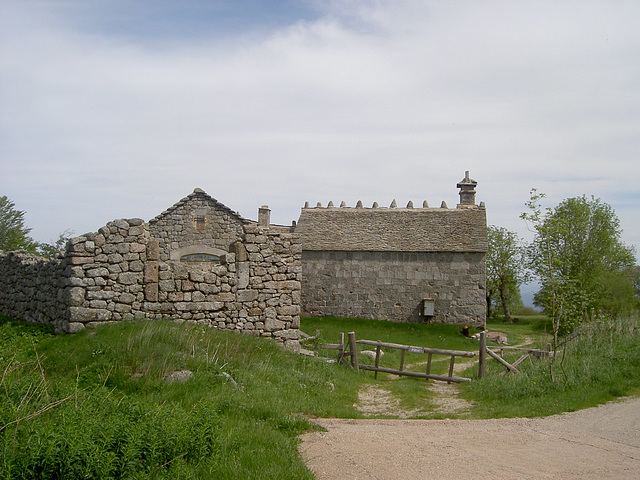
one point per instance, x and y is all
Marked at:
(393, 229)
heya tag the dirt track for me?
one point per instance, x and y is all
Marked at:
(596, 443)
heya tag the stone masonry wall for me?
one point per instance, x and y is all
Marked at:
(391, 285)
(196, 220)
(117, 274)
(106, 275)
(255, 289)
(33, 288)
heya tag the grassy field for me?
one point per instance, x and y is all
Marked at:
(529, 330)
(600, 365)
(99, 404)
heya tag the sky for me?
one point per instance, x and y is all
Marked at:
(120, 108)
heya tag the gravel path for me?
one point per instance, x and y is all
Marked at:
(595, 443)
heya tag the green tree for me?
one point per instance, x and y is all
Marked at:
(14, 235)
(505, 270)
(52, 249)
(580, 260)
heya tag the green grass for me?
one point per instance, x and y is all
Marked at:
(532, 329)
(599, 366)
(95, 404)
(415, 334)
(414, 393)
(419, 334)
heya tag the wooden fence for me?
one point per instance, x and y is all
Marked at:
(496, 354)
(348, 353)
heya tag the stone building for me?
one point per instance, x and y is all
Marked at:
(198, 261)
(202, 262)
(398, 264)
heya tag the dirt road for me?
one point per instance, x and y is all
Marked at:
(596, 443)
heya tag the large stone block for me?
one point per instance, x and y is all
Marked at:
(136, 230)
(153, 250)
(97, 272)
(129, 278)
(167, 285)
(289, 334)
(74, 327)
(246, 295)
(126, 297)
(288, 310)
(273, 324)
(81, 260)
(226, 297)
(136, 266)
(84, 315)
(151, 272)
(76, 296)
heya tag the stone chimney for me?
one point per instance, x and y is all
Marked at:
(264, 216)
(467, 188)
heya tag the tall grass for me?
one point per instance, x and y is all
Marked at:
(600, 365)
(98, 404)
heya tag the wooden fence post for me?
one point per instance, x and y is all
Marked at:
(483, 354)
(354, 351)
(342, 348)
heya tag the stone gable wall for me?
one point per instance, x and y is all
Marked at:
(197, 219)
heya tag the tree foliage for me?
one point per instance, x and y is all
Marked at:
(14, 234)
(52, 249)
(505, 270)
(580, 260)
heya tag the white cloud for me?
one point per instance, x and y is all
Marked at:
(372, 100)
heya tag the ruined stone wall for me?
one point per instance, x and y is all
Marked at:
(107, 274)
(391, 285)
(255, 289)
(33, 288)
(117, 274)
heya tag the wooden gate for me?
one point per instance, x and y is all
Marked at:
(348, 353)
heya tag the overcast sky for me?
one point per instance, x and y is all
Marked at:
(112, 109)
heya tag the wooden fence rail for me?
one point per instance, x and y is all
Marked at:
(411, 349)
(497, 353)
(348, 354)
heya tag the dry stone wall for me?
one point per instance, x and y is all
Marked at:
(33, 288)
(255, 289)
(117, 274)
(107, 274)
